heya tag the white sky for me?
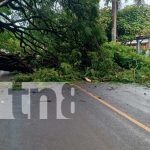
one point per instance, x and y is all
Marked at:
(123, 4)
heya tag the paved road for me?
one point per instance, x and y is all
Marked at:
(93, 126)
(5, 76)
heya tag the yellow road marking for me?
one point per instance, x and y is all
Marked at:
(125, 115)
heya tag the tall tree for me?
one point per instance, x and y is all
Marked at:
(115, 5)
(132, 20)
(114, 20)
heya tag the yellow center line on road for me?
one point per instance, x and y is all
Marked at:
(123, 114)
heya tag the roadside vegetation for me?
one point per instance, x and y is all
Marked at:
(72, 42)
(113, 62)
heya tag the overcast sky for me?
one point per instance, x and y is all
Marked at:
(123, 4)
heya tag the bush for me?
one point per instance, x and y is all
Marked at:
(42, 75)
(66, 68)
(126, 76)
(76, 58)
(66, 73)
(133, 67)
(113, 62)
(101, 63)
(23, 78)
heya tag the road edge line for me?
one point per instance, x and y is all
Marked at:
(121, 113)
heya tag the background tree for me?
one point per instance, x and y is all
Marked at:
(115, 6)
(132, 21)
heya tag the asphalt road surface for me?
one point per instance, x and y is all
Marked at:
(122, 123)
(5, 76)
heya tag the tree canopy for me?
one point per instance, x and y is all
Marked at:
(51, 27)
(57, 17)
(132, 20)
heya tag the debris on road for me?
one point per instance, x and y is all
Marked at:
(88, 80)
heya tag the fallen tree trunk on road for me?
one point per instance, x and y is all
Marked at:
(12, 62)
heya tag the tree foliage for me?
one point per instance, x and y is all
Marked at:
(49, 28)
(132, 20)
(65, 20)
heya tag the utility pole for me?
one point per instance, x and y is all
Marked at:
(138, 45)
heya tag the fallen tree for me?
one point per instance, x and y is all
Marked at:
(12, 62)
(51, 31)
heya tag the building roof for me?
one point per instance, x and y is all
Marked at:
(144, 41)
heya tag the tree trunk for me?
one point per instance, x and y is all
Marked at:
(114, 20)
(11, 62)
(3, 2)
